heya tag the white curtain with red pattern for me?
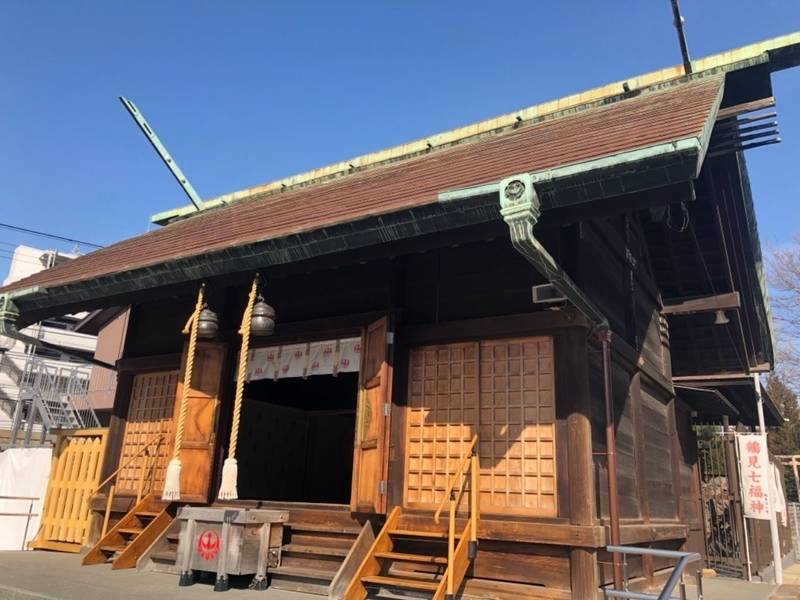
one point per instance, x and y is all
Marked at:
(328, 357)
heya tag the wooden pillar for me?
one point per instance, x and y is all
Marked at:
(572, 371)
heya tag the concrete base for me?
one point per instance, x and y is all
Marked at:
(56, 576)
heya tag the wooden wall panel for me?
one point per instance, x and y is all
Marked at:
(504, 390)
(517, 426)
(658, 431)
(150, 413)
(441, 418)
(628, 488)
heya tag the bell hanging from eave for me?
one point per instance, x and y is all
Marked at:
(207, 323)
(262, 322)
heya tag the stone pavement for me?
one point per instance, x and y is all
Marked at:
(790, 590)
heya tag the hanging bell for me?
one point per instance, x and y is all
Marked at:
(207, 323)
(263, 320)
(720, 318)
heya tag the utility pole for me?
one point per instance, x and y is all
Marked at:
(773, 518)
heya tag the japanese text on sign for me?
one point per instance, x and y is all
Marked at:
(756, 476)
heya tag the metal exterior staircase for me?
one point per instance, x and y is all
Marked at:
(53, 396)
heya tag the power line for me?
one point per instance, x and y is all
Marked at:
(47, 235)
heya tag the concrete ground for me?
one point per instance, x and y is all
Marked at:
(60, 576)
(54, 575)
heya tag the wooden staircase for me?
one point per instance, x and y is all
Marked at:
(323, 545)
(133, 534)
(428, 564)
(163, 553)
(409, 563)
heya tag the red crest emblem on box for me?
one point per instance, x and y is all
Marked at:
(208, 545)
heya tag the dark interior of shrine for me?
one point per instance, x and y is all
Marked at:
(296, 443)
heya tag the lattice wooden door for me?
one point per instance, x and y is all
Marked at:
(74, 474)
(501, 389)
(150, 417)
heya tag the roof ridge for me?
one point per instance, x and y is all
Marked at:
(652, 81)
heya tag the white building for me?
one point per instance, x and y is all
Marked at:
(16, 356)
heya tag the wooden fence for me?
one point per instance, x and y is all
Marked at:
(74, 473)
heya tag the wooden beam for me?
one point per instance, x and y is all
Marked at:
(739, 109)
(542, 321)
(143, 364)
(737, 378)
(624, 203)
(556, 532)
(728, 301)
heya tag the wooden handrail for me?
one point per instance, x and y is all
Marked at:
(457, 476)
(156, 440)
(469, 464)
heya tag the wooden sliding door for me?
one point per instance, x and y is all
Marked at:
(504, 391)
(199, 435)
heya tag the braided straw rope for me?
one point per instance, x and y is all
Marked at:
(187, 378)
(244, 331)
(228, 489)
(172, 478)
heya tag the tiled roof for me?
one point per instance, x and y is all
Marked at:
(674, 113)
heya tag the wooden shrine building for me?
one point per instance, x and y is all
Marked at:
(490, 284)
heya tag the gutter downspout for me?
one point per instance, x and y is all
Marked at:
(8, 328)
(521, 208)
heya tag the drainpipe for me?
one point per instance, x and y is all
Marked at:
(520, 207)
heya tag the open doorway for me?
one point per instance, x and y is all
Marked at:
(296, 439)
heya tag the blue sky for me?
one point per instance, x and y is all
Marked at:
(243, 92)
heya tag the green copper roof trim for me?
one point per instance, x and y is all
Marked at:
(691, 145)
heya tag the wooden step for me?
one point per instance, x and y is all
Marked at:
(147, 514)
(409, 584)
(298, 579)
(323, 528)
(418, 533)
(303, 572)
(417, 558)
(168, 556)
(318, 550)
(112, 549)
(131, 530)
(173, 536)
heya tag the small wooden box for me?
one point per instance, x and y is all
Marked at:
(229, 541)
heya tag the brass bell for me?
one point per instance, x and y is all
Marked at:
(263, 320)
(207, 323)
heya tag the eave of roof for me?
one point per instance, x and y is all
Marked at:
(399, 200)
(740, 391)
(780, 52)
